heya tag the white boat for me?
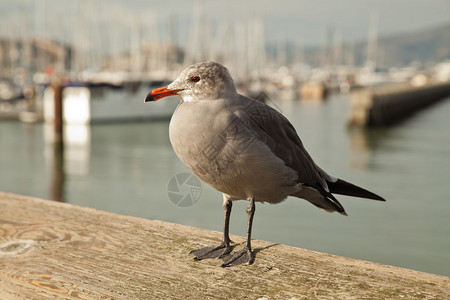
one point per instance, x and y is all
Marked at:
(88, 103)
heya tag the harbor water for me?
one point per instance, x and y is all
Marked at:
(126, 168)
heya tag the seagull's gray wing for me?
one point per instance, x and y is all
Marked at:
(280, 136)
(272, 128)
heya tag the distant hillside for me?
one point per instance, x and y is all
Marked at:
(427, 46)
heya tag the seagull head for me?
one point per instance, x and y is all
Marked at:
(199, 82)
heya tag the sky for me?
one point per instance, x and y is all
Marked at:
(303, 21)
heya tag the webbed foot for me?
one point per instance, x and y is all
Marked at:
(243, 257)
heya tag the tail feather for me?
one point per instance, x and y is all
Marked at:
(343, 187)
(340, 209)
(321, 199)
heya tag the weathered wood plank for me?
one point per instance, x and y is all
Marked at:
(54, 250)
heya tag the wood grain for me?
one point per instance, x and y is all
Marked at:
(51, 250)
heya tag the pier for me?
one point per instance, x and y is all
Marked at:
(380, 106)
(60, 251)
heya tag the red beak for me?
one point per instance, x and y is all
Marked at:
(159, 93)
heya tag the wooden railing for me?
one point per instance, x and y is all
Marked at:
(52, 250)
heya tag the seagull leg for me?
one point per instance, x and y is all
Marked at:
(246, 255)
(224, 248)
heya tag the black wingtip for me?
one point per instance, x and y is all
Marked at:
(343, 187)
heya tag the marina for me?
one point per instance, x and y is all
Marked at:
(132, 56)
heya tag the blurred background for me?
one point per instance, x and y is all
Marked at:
(365, 83)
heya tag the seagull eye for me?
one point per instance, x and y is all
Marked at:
(195, 79)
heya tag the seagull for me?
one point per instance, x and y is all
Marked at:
(244, 149)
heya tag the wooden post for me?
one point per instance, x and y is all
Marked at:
(57, 183)
(58, 113)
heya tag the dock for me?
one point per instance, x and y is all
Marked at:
(53, 250)
(386, 105)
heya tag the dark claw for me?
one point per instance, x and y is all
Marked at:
(243, 257)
